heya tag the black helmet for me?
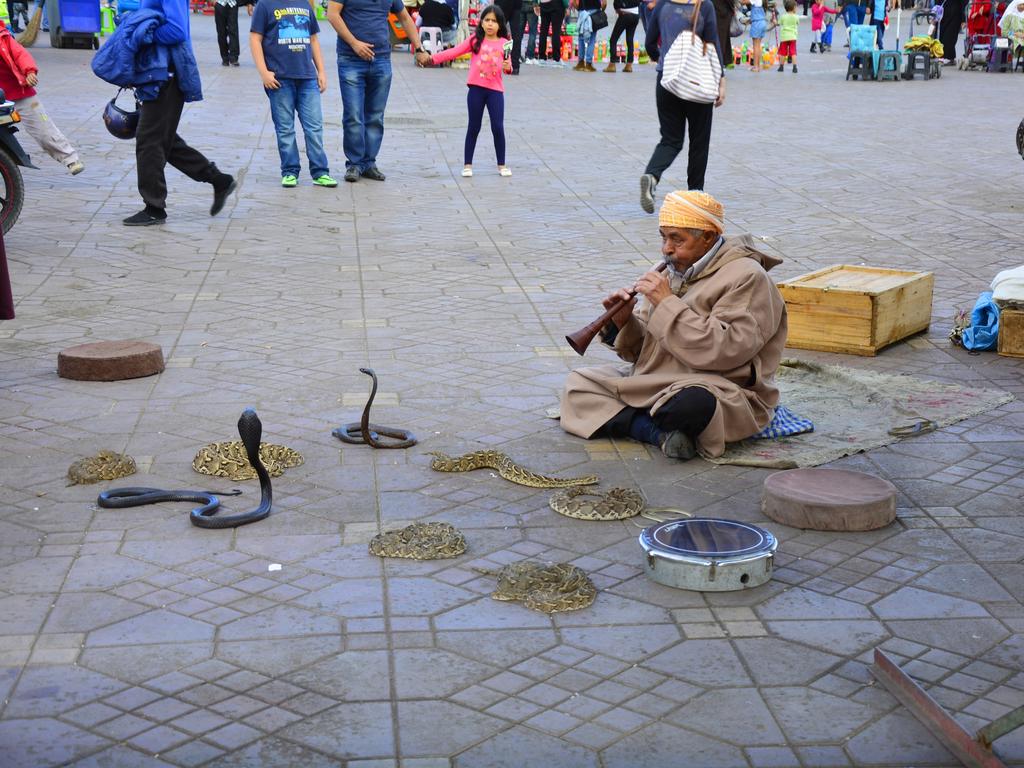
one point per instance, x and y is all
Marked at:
(120, 123)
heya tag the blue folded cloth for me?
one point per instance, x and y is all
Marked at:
(784, 424)
(984, 331)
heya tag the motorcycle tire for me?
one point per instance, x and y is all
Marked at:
(12, 191)
(1020, 139)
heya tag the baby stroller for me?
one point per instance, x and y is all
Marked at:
(982, 32)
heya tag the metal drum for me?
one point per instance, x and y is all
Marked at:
(708, 555)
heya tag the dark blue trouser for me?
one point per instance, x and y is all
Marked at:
(477, 98)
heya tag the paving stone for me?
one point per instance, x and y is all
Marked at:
(897, 733)
(807, 716)
(521, 746)
(748, 716)
(121, 757)
(660, 744)
(44, 691)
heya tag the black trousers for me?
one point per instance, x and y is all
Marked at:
(690, 411)
(516, 25)
(674, 115)
(625, 22)
(949, 28)
(551, 20)
(227, 31)
(157, 143)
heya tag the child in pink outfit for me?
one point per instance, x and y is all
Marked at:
(818, 11)
(488, 50)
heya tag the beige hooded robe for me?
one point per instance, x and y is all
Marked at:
(724, 331)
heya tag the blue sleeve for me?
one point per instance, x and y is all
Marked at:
(397, 6)
(653, 39)
(175, 27)
(259, 19)
(314, 27)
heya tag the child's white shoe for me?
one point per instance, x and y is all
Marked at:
(467, 172)
(505, 170)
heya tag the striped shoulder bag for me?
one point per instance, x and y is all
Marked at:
(692, 70)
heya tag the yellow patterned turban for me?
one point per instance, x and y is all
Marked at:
(694, 209)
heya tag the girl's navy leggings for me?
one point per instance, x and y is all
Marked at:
(477, 98)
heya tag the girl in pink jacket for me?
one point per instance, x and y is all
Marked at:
(489, 49)
(818, 11)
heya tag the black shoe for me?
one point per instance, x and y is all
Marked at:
(813, 48)
(373, 173)
(235, 64)
(514, 72)
(224, 62)
(647, 186)
(352, 174)
(147, 217)
(223, 186)
(678, 445)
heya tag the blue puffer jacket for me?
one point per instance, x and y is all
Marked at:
(131, 59)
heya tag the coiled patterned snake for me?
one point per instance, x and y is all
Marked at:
(543, 587)
(250, 429)
(363, 431)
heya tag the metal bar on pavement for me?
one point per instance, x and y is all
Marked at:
(1011, 721)
(933, 717)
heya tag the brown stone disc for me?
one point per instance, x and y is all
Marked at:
(110, 361)
(829, 500)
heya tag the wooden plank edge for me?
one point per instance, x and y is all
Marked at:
(924, 708)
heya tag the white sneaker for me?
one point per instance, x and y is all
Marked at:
(505, 171)
(76, 167)
(467, 172)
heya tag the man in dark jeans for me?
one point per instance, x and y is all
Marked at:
(225, 16)
(157, 142)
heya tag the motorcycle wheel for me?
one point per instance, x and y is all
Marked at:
(12, 191)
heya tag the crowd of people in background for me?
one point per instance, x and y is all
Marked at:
(284, 41)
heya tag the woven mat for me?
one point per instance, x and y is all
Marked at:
(854, 411)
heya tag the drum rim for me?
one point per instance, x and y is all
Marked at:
(652, 547)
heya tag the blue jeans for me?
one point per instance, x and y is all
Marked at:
(364, 95)
(302, 97)
(586, 43)
(879, 32)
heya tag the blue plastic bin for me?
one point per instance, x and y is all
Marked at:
(74, 23)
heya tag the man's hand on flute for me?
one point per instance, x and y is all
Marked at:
(622, 295)
(654, 287)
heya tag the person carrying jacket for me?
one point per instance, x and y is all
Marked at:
(152, 53)
(18, 77)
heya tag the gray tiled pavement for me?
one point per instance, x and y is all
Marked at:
(130, 638)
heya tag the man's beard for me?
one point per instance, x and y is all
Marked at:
(671, 269)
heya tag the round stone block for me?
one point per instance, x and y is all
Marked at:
(110, 361)
(829, 500)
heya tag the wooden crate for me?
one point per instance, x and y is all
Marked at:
(856, 310)
(1011, 333)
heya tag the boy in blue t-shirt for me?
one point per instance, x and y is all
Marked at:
(285, 47)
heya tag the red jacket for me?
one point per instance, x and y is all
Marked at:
(15, 66)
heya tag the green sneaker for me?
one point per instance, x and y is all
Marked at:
(289, 181)
(325, 181)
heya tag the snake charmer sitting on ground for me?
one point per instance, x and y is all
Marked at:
(703, 345)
